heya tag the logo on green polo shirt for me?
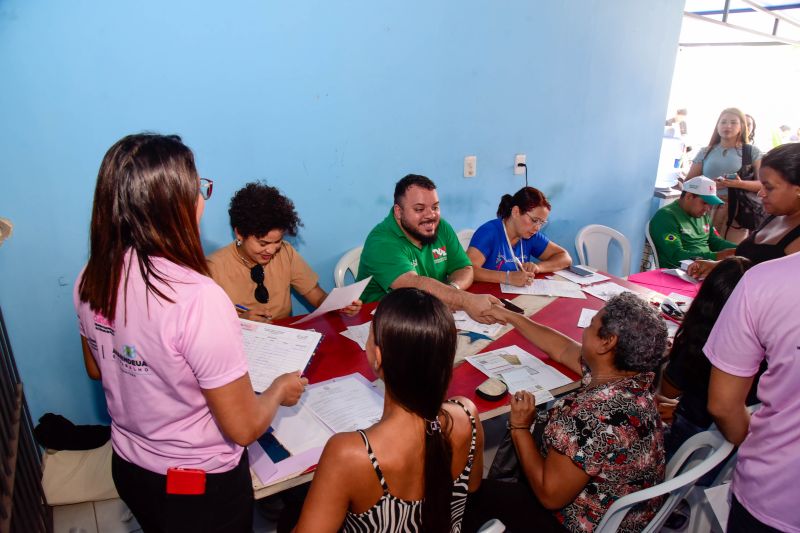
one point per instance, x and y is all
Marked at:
(439, 254)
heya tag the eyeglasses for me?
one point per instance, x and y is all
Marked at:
(206, 186)
(257, 275)
(536, 220)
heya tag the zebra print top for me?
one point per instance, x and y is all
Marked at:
(391, 514)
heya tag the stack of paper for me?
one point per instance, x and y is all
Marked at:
(519, 370)
(606, 291)
(274, 350)
(680, 274)
(582, 280)
(358, 334)
(326, 408)
(546, 287)
(465, 323)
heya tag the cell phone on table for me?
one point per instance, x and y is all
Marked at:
(186, 481)
(511, 307)
(580, 271)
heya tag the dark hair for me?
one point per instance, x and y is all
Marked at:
(417, 337)
(784, 159)
(257, 208)
(408, 181)
(145, 199)
(706, 307)
(525, 199)
(751, 134)
(641, 332)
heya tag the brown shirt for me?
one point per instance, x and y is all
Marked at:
(286, 268)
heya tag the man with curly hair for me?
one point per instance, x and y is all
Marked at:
(414, 247)
(259, 269)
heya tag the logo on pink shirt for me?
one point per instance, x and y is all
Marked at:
(130, 361)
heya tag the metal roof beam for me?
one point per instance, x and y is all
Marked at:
(778, 16)
(741, 28)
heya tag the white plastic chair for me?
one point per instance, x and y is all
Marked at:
(349, 261)
(596, 238)
(492, 526)
(464, 236)
(696, 457)
(652, 246)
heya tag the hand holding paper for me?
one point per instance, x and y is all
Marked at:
(339, 298)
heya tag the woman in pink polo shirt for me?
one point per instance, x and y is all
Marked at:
(166, 343)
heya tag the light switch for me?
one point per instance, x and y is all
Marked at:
(470, 166)
(519, 158)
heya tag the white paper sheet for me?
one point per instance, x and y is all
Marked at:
(526, 379)
(680, 274)
(358, 334)
(586, 317)
(546, 287)
(297, 429)
(465, 323)
(345, 404)
(504, 360)
(339, 298)
(274, 350)
(605, 291)
(581, 280)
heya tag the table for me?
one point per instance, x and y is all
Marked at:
(339, 356)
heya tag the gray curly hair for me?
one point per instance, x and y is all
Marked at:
(641, 332)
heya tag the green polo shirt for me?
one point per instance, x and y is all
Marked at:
(388, 254)
(678, 236)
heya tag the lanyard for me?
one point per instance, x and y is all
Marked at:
(517, 261)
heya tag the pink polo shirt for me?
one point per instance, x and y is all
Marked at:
(762, 319)
(155, 359)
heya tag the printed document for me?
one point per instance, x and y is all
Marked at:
(358, 334)
(503, 360)
(606, 291)
(546, 287)
(339, 298)
(465, 323)
(526, 379)
(274, 350)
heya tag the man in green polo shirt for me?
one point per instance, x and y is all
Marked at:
(683, 230)
(413, 247)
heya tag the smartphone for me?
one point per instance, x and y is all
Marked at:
(579, 270)
(189, 481)
(511, 307)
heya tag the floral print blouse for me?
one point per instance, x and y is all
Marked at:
(614, 433)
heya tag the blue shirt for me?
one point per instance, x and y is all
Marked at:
(490, 239)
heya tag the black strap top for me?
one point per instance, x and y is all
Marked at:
(758, 253)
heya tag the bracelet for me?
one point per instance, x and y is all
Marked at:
(507, 277)
(510, 427)
(455, 285)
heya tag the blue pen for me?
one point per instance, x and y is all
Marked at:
(241, 307)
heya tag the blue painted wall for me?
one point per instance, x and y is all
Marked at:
(330, 101)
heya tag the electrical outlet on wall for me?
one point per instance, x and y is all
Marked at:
(519, 158)
(470, 166)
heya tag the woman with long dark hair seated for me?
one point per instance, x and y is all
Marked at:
(779, 235)
(503, 250)
(412, 470)
(594, 445)
(688, 370)
(259, 268)
(164, 340)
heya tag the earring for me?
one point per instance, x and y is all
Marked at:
(376, 366)
(238, 243)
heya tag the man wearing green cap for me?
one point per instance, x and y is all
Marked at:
(683, 230)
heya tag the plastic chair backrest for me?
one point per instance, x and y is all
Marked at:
(652, 246)
(596, 238)
(349, 261)
(696, 457)
(464, 236)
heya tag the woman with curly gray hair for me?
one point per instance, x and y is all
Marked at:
(596, 444)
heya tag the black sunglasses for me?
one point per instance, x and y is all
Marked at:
(257, 275)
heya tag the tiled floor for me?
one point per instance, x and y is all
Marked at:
(112, 516)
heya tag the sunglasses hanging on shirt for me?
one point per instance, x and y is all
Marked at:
(257, 275)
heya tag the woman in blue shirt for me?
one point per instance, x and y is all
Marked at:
(502, 250)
